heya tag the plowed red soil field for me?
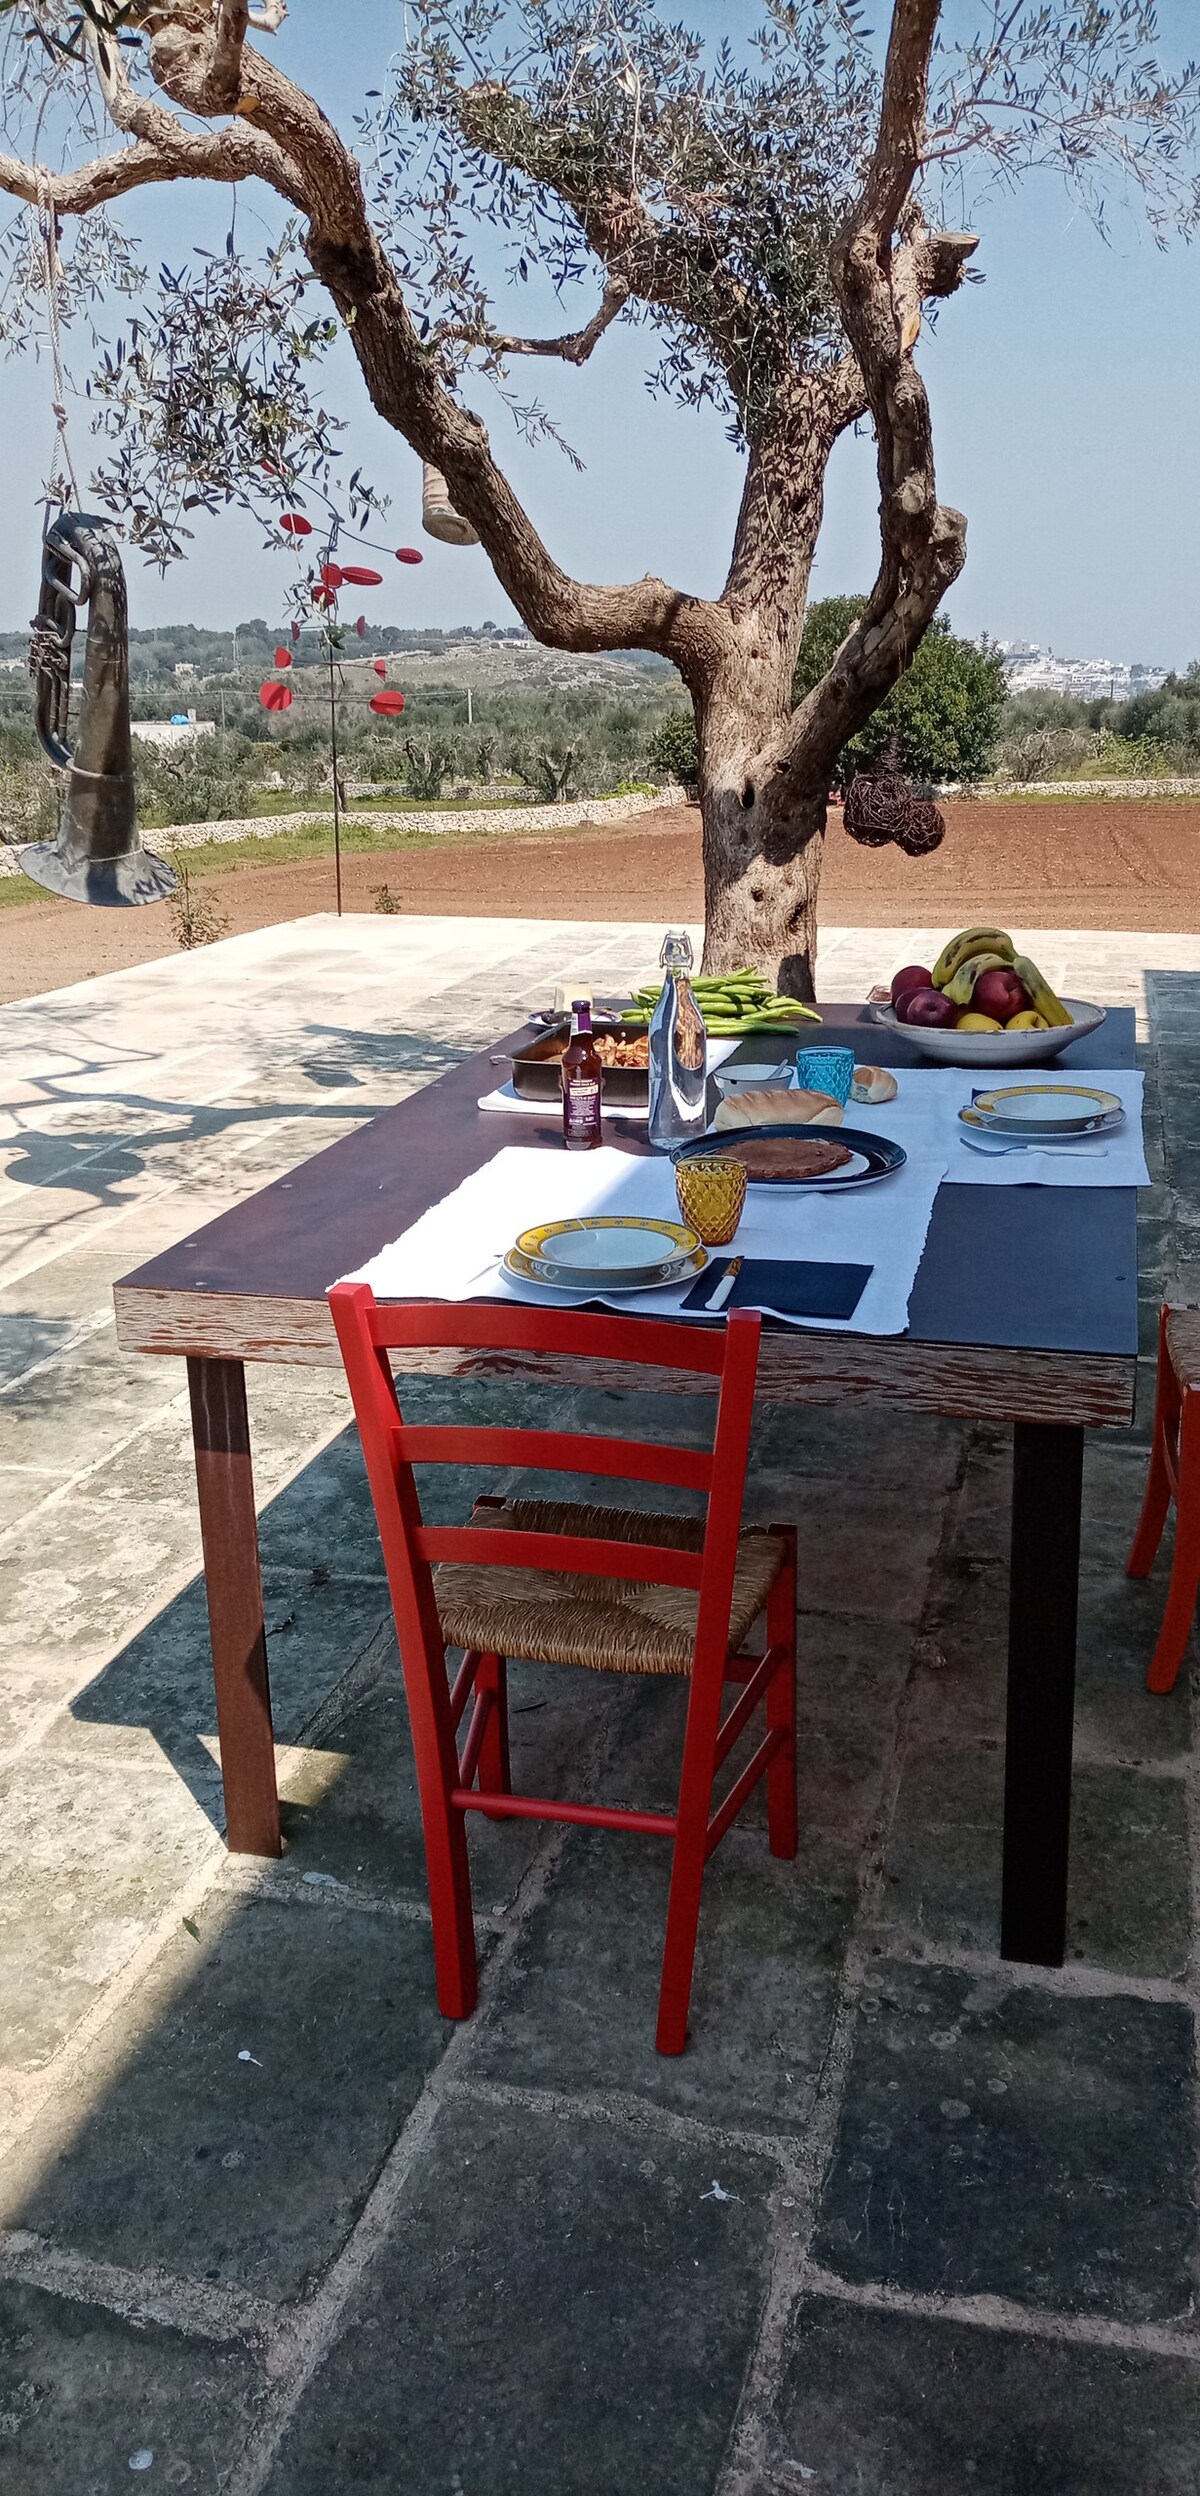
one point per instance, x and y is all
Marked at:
(1085, 863)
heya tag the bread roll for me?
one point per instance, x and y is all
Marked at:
(777, 1108)
(873, 1083)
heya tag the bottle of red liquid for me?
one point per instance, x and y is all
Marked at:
(581, 1084)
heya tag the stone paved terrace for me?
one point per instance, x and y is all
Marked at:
(902, 2222)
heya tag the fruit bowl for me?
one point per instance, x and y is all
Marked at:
(993, 1048)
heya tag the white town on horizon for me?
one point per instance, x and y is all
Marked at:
(1031, 669)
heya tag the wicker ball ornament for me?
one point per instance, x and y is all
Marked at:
(882, 806)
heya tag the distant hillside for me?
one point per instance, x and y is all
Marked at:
(479, 657)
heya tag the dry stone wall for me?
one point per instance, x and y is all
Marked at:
(493, 819)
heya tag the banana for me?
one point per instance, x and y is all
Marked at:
(1041, 994)
(961, 988)
(970, 940)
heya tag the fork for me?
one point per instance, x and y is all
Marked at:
(1051, 1152)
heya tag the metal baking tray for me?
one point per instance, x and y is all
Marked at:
(536, 1075)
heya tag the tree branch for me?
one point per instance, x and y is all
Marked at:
(310, 163)
(880, 282)
(574, 348)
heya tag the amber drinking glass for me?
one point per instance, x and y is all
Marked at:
(711, 1192)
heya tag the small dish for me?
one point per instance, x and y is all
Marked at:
(674, 1270)
(613, 1248)
(1061, 1108)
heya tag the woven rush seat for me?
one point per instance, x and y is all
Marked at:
(1183, 1345)
(607, 1624)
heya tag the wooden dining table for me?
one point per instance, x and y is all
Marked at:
(1024, 1311)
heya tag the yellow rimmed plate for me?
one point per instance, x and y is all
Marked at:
(1062, 1107)
(682, 1267)
(607, 1247)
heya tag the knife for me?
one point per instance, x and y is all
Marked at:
(725, 1286)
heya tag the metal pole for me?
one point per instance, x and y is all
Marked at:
(337, 822)
(470, 712)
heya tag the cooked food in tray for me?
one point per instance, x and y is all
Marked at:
(612, 1051)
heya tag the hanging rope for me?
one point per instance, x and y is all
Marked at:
(62, 447)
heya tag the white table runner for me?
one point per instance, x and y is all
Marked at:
(453, 1251)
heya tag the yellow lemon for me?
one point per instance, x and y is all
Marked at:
(977, 1022)
(1028, 1022)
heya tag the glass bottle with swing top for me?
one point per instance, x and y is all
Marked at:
(678, 1049)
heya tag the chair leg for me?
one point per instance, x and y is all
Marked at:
(1185, 1568)
(688, 1857)
(1158, 1489)
(494, 1776)
(781, 1711)
(456, 1966)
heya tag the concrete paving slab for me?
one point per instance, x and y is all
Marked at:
(86, 2394)
(87, 1865)
(161, 1684)
(576, 2008)
(1128, 1903)
(918, 2404)
(998, 2140)
(561, 2309)
(237, 2121)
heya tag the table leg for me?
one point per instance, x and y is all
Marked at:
(229, 1534)
(1043, 1606)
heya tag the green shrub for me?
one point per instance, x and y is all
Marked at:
(673, 748)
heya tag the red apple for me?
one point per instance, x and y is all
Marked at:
(927, 1006)
(1000, 994)
(911, 977)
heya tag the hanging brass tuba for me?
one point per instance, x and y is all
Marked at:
(98, 856)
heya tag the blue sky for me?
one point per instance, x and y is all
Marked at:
(1064, 394)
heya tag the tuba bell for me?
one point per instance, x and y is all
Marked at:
(98, 855)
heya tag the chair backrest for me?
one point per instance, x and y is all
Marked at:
(392, 1446)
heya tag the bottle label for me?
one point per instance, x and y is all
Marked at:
(583, 1106)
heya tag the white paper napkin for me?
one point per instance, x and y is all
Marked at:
(453, 1251)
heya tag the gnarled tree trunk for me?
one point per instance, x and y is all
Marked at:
(763, 831)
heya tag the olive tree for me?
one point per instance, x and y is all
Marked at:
(769, 210)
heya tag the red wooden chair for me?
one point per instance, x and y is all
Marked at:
(1174, 1475)
(609, 1589)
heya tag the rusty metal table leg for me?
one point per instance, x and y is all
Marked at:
(1043, 1609)
(229, 1533)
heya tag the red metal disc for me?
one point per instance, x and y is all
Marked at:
(283, 657)
(332, 575)
(361, 575)
(296, 524)
(360, 626)
(388, 703)
(295, 632)
(275, 697)
(380, 666)
(409, 554)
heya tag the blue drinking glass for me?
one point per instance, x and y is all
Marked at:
(826, 1070)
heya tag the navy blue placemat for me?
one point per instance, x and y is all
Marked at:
(797, 1287)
